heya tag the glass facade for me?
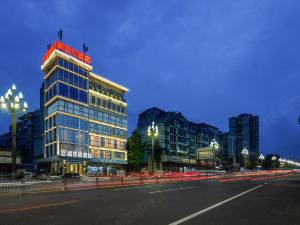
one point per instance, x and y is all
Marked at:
(79, 124)
(67, 107)
(105, 104)
(106, 91)
(97, 141)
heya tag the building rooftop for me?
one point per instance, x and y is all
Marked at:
(109, 82)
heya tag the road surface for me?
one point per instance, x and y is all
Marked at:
(259, 200)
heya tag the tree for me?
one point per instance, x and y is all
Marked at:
(271, 164)
(136, 150)
(222, 158)
(253, 161)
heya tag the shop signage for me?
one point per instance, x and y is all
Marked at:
(75, 154)
(204, 153)
(69, 50)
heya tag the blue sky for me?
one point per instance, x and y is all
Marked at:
(208, 59)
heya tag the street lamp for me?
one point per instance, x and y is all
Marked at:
(274, 158)
(153, 133)
(13, 102)
(245, 153)
(280, 160)
(214, 148)
(261, 158)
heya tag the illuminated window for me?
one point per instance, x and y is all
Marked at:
(106, 154)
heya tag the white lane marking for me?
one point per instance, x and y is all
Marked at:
(212, 207)
(120, 189)
(175, 189)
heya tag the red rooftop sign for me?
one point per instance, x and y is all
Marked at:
(69, 50)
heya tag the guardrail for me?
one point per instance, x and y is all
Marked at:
(97, 182)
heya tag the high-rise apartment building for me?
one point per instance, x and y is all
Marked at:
(245, 128)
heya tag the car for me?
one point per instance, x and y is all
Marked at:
(71, 176)
(53, 177)
(28, 175)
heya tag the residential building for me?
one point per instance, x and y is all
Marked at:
(5, 140)
(28, 127)
(227, 146)
(245, 128)
(6, 162)
(178, 137)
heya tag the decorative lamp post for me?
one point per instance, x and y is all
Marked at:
(261, 158)
(13, 102)
(214, 148)
(274, 158)
(284, 163)
(153, 133)
(280, 160)
(245, 153)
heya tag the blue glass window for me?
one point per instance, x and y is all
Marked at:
(83, 96)
(66, 76)
(83, 125)
(60, 61)
(73, 122)
(63, 89)
(72, 67)
(73, 93)
(83, 138)
(63, 134)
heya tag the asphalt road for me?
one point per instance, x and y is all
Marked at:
(262, 200)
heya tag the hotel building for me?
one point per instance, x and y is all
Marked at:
(85, 115)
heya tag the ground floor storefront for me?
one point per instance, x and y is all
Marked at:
(64, 165)
(178, 163)
(178, 167)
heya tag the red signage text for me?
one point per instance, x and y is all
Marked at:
(69, 50)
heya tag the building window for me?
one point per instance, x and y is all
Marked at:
(119, 155)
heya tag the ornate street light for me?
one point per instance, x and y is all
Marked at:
(261, 158)
(153, 133)
(280, 160)
(214, 148)
(274, 158)
(245, 153)
(13, 102)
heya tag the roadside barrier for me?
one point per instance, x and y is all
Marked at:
(23, 187)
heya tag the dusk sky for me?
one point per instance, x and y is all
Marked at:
(208, 59)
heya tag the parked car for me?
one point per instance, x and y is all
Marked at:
(28, 175)
(42, 176)
(53, 177)
(71, 176)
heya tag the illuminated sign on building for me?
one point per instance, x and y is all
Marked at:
(76, 154)
(204, 153)
(69, 50)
